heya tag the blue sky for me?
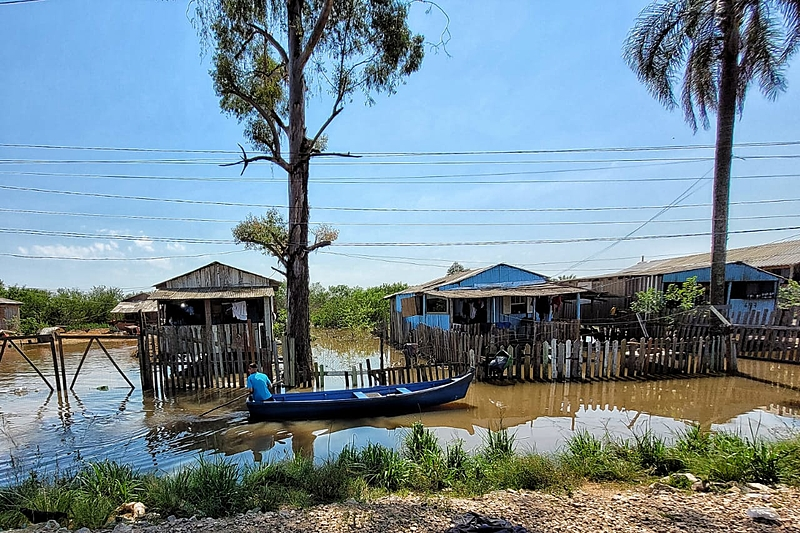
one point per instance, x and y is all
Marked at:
(526, 75)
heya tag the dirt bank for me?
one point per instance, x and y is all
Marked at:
(591, 509)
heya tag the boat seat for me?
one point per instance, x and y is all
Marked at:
(359, 394)
(403, 390)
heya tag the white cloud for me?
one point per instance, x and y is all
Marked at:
(92, 251)
(176, 247)
(145, 244)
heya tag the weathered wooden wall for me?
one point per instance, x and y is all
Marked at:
(217, 275)
(199, 357)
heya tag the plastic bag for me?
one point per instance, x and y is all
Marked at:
(475, 523)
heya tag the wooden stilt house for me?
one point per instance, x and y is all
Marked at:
(212, 321)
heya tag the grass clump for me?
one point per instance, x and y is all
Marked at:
(219, 487)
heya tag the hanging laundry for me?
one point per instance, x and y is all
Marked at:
(239, 310)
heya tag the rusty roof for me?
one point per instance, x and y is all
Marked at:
(212, 294)
(537, 289)
(130, 307)
(762, 256)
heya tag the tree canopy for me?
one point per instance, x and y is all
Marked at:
(268, 57)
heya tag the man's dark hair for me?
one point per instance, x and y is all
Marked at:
(253, 366)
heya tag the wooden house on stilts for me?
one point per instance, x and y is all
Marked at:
(212, 322)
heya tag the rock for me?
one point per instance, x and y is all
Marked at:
(171, 519)
(700, 486)
(84, 530)
(758, 487)
(764, 515)
(658, 486)
(122, 527)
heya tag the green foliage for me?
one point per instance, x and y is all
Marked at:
(789, 295)
(681, 297)
(268, 234)
(498, 445)
(675, 42)
(419, 442)
(101, 488)
(455, 268)
(221, 488)
(70, 308)
(649, 301)
(341, 306)
(684, 296)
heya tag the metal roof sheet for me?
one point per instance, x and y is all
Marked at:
(761, 256)
(6, 301)
(539, 289)
(212, 294)
(453, 278)
(145, 306)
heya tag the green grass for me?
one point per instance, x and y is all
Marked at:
(218, 487)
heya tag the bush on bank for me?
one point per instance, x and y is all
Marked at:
(217, 488)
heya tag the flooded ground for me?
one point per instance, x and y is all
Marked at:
(103, 419)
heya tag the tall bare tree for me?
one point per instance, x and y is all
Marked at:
(714, 49)
(267, 56)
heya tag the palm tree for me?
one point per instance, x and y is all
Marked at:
(714, 49)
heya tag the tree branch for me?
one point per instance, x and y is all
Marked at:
(334, 154)
(275, 44)
(247, 160)
(334, 114)
(316, 34)
(279, 271)
(318, 245)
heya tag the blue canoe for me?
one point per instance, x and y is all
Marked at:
(383, 400)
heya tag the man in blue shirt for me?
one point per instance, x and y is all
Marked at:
(259, 384)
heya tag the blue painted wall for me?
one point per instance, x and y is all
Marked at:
(438, 320)
(497, 276)
(738, 306)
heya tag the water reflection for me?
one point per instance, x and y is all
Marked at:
(102, 418)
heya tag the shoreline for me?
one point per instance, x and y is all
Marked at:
(592, 508)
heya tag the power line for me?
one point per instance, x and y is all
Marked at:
(661, 148)
(685, 194)
(10, 2)
(385, 209)
(154, 258)
(205, 161)
(552, 241)
(112, 236)
(207, 241)
(392, 224)
(456, 178)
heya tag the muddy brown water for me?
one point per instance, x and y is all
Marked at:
(103, 419)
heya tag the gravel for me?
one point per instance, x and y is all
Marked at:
(594, 508)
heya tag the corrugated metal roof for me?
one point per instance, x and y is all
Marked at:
(761, 256)
(6, 301)
(539, 289)
(212, 294)
(145, 306)
(449, 280)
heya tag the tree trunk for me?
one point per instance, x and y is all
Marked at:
(726, 116)
(297, 277)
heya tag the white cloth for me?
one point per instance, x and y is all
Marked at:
(239, 310)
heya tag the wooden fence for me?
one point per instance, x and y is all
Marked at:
(176, 358)
(770, 335)
(574, 360)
